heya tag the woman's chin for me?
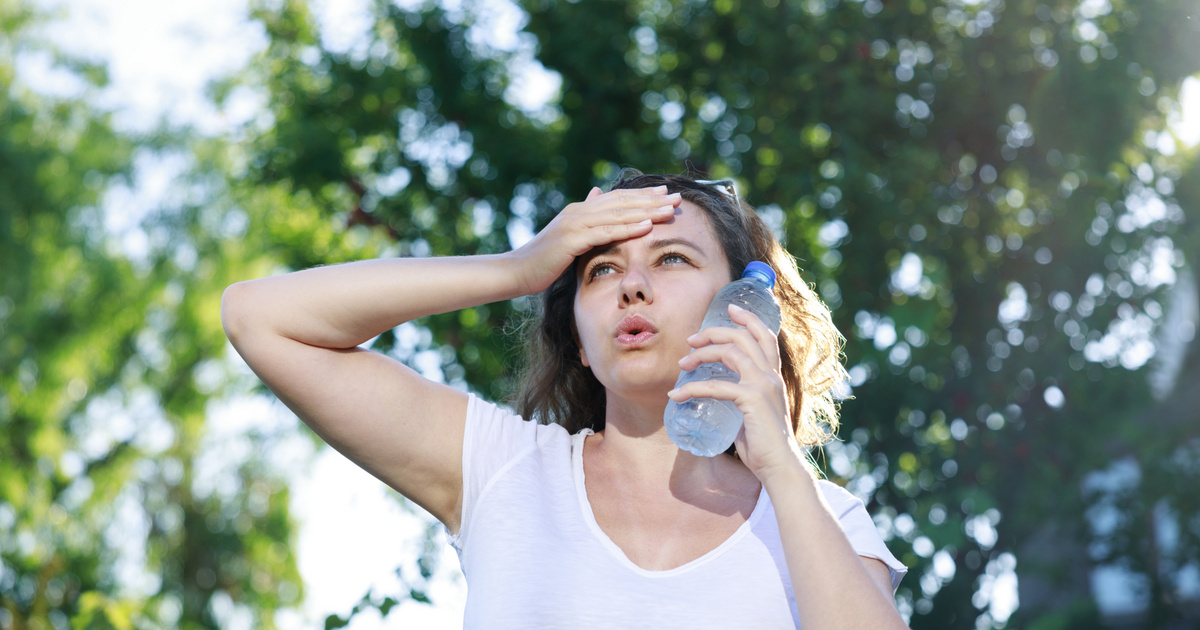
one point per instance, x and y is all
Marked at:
(651, 390)
(644, 377)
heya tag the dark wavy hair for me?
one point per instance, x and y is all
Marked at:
(555, 387)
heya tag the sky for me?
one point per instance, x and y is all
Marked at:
(160, 55)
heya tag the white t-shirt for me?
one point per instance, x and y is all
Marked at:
(534, 556)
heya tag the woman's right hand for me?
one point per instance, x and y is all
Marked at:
(600, 219)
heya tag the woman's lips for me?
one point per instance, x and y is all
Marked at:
(635, 330)
(631, 339)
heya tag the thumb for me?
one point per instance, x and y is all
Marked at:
(594, 193)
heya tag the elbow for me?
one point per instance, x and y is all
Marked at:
(234, 307)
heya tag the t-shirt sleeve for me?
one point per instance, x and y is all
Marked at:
(860, 529)
(493, 439)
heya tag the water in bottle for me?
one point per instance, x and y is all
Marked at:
(705, 426)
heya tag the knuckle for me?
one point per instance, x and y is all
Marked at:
(618, 212)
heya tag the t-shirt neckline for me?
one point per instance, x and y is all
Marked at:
(613, 549)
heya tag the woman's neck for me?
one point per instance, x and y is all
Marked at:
(634, 446)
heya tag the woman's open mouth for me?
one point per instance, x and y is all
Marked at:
(634, 339)
(635, 330)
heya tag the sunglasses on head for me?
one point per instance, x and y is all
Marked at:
(726, 186)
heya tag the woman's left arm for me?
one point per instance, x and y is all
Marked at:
(835, 588)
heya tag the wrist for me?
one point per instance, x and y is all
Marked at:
(514, 266)
(787, 471)
(511, 269)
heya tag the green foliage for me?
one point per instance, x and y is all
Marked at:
(977, 189)
(109, 358)
(967, 184)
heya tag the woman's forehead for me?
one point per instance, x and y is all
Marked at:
(689, 219)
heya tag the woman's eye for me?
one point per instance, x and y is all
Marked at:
(599, 270)
(674, 259)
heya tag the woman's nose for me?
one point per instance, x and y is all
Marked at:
(635, 287)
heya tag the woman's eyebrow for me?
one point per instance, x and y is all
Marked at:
(601, 250)
(662, 243)
(672, 242)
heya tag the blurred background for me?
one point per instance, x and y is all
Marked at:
(999, 199)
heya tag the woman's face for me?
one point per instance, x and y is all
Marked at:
(639, 300)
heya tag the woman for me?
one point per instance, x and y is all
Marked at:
(598, 521)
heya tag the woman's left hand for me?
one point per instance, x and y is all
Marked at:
(766, 442)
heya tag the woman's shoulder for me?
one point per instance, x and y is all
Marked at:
(840, 500)
(859, 527)
(490, 421)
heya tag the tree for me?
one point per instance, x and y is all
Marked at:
(986, 193)
(112, 508)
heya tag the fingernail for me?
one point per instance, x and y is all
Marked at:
(736, 307)
(671, 394)
(661, 189)
(670, 209)
(644, 223)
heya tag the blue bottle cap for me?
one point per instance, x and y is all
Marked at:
(762, 271)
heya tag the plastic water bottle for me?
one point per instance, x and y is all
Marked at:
(705, 426)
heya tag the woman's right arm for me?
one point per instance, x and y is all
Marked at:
(300, 333)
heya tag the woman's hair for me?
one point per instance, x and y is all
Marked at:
(555, 386)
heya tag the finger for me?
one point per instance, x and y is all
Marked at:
(754, 402)
(599, 212)
(625, 215)
(622, 200)
(767, 339)
(719, 390)
(740, 337)
(579, 238)
(730, 355)
(585, 231)
(603, 234)
(749, 400)
(597, 198)
(650, 190)
(626, 196)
